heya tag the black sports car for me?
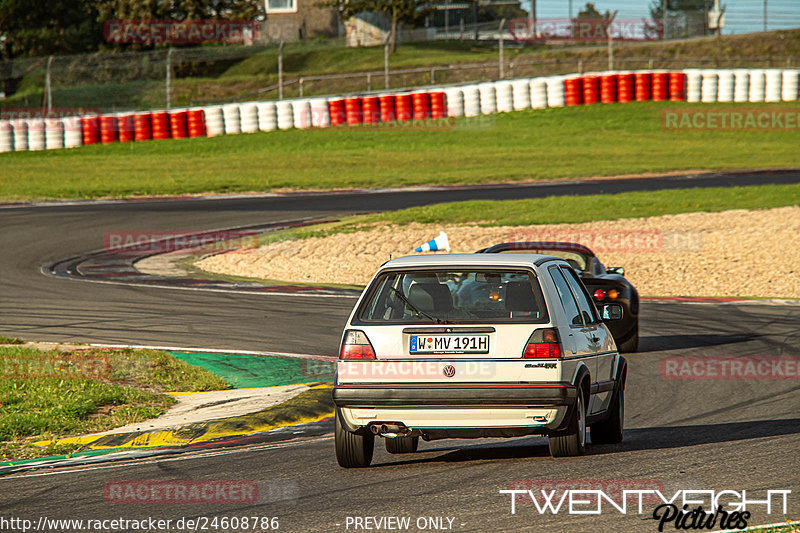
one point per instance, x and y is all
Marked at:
(605, 284)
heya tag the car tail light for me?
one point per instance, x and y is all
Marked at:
(543, 343)
(599, 294)
(355, 345)
(613, 294)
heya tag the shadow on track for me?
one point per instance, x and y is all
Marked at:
(655, 438)
(679, 436)
(663, 343)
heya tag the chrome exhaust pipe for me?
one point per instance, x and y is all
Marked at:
(389, 428)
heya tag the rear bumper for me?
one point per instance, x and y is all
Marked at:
(462, 395)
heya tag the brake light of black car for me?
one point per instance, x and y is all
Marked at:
(613, 294)
(356, 345)
(599, 294)
(543, 343)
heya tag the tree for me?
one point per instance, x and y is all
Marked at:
(397, 11)
(179, 10)
(503, 10)
(681, 15)
(38, 28)
(44, 28)
(590, 12)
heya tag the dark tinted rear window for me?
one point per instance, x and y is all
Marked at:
(463, 296)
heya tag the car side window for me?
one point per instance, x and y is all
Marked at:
(586, 307)
(565, 295)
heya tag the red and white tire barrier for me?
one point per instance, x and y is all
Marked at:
(267, 116)
(248, 113)
(470, 100)
(6, 136)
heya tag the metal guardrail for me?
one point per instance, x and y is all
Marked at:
(510, 69)
(169, 65)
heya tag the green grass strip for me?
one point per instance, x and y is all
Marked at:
(46, 394)
(564, 209)
(598, 140)
(577, 209)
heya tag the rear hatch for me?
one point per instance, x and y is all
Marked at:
(462, 325)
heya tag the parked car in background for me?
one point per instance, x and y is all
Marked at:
(605, 284)
(470, 345)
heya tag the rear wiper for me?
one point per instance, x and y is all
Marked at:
(414, 308)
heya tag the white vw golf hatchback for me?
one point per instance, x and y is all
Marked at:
(473, 345)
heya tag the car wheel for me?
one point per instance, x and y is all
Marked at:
(610, 431)
(573, 440)
(632, 344)
(402, 444)
(353, 450)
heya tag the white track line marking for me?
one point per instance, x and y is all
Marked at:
(206, 289)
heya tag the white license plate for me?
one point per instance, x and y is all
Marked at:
(449, 344)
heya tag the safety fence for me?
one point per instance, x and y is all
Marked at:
(469, 100)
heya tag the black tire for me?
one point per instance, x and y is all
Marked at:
(402, 444)
(353, 450)
(573, 441)
(609, 431)
(632, 344)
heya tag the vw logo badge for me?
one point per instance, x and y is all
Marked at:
(449, 371)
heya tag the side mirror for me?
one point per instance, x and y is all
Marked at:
(616, 270)
(611, 312)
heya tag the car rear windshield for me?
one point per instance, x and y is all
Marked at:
(454, 297)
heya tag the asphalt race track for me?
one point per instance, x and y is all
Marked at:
(680, 434)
